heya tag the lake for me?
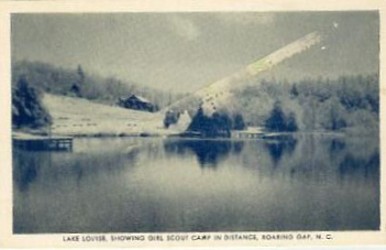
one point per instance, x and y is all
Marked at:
(305, 182)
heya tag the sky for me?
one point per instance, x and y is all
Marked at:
(182, 52)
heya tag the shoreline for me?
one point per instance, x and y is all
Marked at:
(261, 136)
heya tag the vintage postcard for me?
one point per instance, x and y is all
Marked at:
(157, 124)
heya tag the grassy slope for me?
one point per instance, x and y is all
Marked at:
(75, 116)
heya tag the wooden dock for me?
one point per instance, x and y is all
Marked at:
(42, 143)
(250, 133)
(259, 133)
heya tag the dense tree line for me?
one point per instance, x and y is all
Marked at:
(348, 103)
(219, 124)
(77, 82)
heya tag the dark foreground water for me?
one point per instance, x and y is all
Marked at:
(144, 185)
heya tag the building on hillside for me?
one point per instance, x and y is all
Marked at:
(137, 103)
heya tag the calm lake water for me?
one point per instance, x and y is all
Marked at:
(153, 184)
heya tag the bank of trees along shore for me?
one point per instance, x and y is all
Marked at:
(348, 103)
(219, 124)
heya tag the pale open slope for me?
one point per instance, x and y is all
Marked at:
(76, 116)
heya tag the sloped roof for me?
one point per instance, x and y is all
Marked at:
(142, 99)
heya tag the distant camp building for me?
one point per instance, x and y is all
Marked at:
(138, 103)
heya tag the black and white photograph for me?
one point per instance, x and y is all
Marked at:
(125, 124)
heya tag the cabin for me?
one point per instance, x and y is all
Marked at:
(137, 103)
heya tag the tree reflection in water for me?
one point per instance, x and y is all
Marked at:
(278, 148)
(209, 152)
(29, 166)
(352, 163)
(26, 168)
(311, 182)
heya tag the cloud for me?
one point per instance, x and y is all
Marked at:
(184, 28)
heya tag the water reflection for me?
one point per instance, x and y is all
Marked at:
(352, 163)
(337, 145)
(44, 167)
(26, 168)
(149, 184)
(277, 148)
(209, 152)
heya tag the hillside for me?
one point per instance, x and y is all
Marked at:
(76, 116)
(347, 104)
(77, 82)
(75, 102)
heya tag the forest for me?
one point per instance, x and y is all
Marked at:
(348, 103)
(76, 82)
(345, 104)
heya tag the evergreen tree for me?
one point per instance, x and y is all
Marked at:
(276, 120)
(238, 122)
(171, 117)
(81, 74)
(218, 125)
(27, 108)
(294, 91)
(76, 87)
(291, 123)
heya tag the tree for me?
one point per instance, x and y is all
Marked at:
(76, 90)
(291, 123)
(81, 74)
(294, 91)
(278, 121)
(27, 108)
(171, 117)
(238, 122)
(76, 87)
(218, 125)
